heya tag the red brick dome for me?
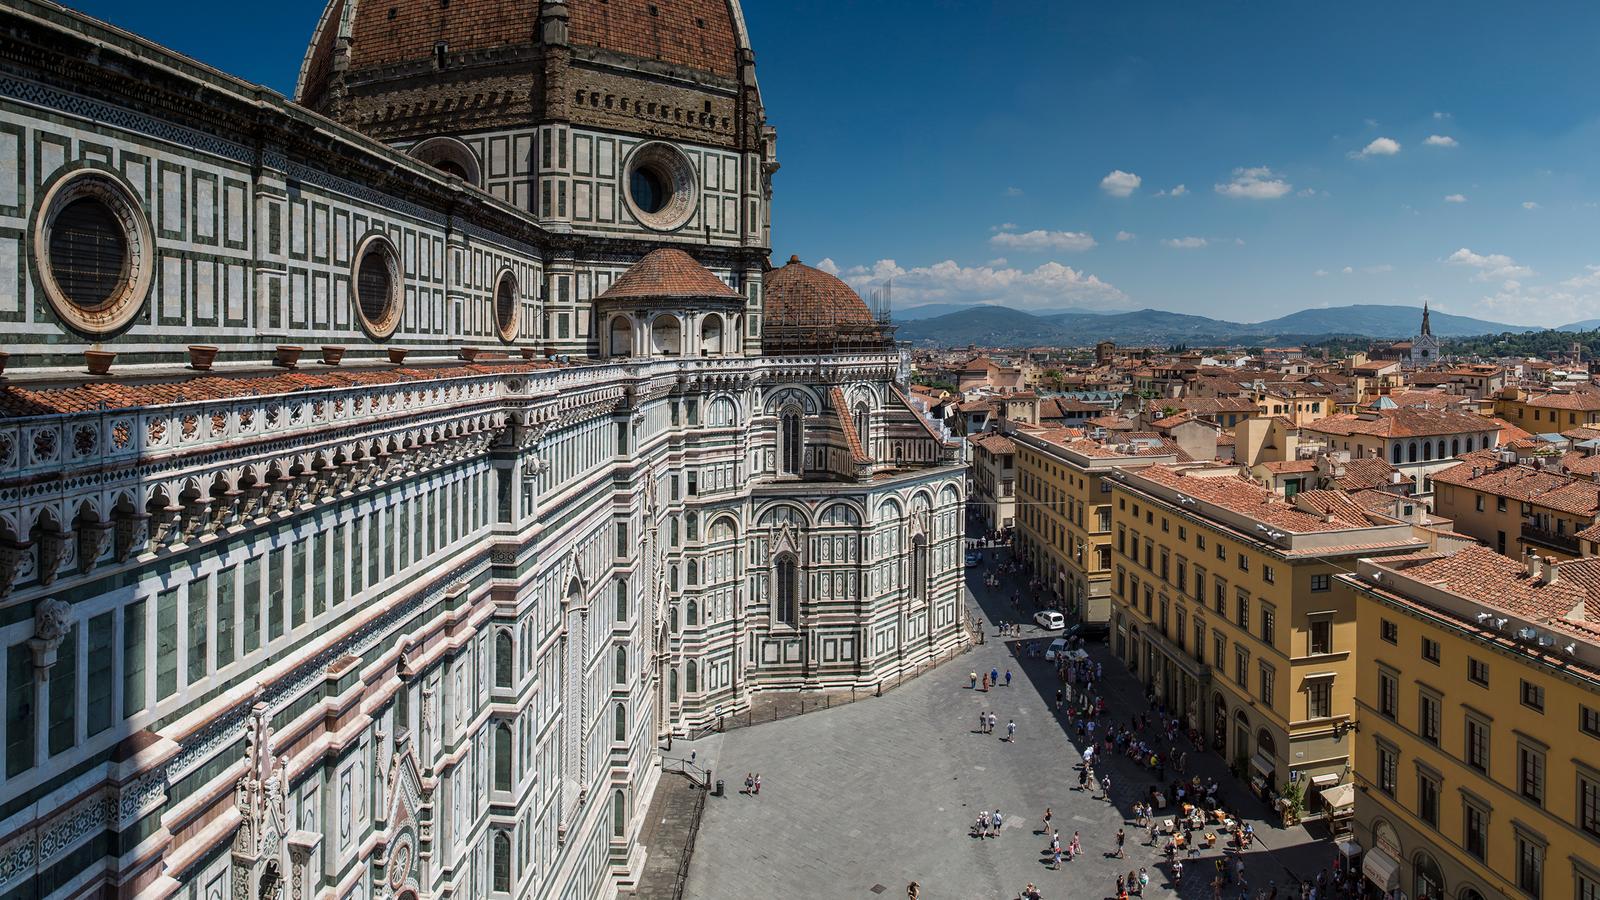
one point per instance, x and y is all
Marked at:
(700, 35)
(801, 296)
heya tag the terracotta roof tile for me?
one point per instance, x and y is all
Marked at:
(799, 295)
(847, 424)
(668, 273)
(1246, 497)
(1404, 422)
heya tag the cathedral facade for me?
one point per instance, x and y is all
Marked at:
(386, 473)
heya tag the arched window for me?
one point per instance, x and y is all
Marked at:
(622, 665)
(1455, 446)
(863, 420)
(666, 335)
(1265, 743)
(711, 336)
(789, 443)
(504, 659)
(672, 578)
(1395, 454)
(1411, 452)
(619, 814)
(672, 686)
(619, 718)
(693, 616)
(692, 682)
(694, 574)
(502, 757)
(787, 590)
(672, 530)
(691, 524)
(1469, 443)
(1427, 450)
(502, 861)
(621, 336)
(622, 601)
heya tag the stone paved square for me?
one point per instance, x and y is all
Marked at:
(884, 791)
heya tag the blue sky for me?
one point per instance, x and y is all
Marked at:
(1032, 153)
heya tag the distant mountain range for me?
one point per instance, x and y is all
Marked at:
(999, 326)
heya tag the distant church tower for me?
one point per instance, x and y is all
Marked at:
(1424, 347)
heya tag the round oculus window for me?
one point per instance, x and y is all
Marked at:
(92, 245)
(661, 186)
(506, 306)
(377, 286)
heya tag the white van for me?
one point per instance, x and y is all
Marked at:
(1050, 620)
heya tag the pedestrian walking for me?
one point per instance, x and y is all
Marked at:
(983, 721)
(994, 675)
(1008, 678)
(1058, 699)
(1047, 815)
(749, 782)
(986, 682)
(1121, 884)
(1144, 881)
(1121, 837)
(1074, 847)
(973, 677)
(993, 719)
(758, 784)
(1105, 788)
(997, 822)
(1011, 731)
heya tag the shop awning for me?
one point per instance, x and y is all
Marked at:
(1349, 849)
(1381, 869)
(1338, 797)
(1263, 764)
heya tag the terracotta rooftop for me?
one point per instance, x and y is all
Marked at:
(1403, 422)
(1526, 484)
(668, 274)
(847, 424)
(1586, 400)
(1487, 577)
(16, 401)
(1368, 472)
(1332, 503)
(1290, 466)
(1241, 495)
(995, 444)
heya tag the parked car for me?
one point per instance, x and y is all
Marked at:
(974, 558)
(1056, 651)
(1050, 620)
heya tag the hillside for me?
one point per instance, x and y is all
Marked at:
(1001, 326)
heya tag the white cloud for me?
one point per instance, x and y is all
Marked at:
(1455, 198)
(1004, 226)
(1256, 183)
(1321, 273)
(1178, 191)
(1120, 183)
(1186, 243)
(1491, 267)
(1013, 192)
(1529, 204)
(1379, 147)
(827, 264)
(1126, 235)
(1039, 239)
(1440, 140)
(1378, 269)
(1049, 285)
(1565, 301)
(1440, 115)
(1348, 270)
(997, 262)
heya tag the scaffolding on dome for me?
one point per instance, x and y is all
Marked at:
(803, 332)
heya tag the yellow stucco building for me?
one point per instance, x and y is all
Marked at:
(1064, 510)
(1478, 725)
(1223, 604)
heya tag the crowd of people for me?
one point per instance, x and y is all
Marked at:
(1184, 816)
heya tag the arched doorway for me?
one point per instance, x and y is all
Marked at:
(1427, 882)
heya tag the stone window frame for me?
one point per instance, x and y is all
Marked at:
(1485, 809)
(1472, 716)
(1432, 776)
(90, 181)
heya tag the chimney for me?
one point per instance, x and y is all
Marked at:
(1531, 560)
(1548, 573)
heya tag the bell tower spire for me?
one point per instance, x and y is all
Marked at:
(1426, 328)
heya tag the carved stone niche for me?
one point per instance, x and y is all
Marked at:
(94, 541)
